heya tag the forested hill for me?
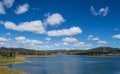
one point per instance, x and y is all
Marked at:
(94, 51)
(20, 51)
(105, 50)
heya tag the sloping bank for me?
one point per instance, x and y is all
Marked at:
(6, 61)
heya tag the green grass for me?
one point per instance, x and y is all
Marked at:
(6, 61)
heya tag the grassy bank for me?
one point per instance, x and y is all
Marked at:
(6, 61)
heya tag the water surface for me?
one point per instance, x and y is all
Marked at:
(70, 64)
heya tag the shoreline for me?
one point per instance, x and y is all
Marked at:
(17, 60)
(5, 62)
(34, 56)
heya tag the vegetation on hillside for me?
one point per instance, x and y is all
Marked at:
(100, 51)
(11, 52)
(106, 51)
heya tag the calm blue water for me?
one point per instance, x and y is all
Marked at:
(70, 64)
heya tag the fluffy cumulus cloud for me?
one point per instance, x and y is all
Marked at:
(61, 44)
(33, 26)
(48, 39)
(22, 9)
(33, 41)
(100, 12)
(54, 19)
(2, 9)
(116, 36)
(20, 39)
(95, 38)
(91, 37)
(65, 43)
(79, 44)
(23, 39)
(102, 42)
(2, 39)
(69, 39)
(72, 41)
(8, 3)
(65, 32)
(57, 44)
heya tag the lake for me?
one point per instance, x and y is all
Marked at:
(69, 64)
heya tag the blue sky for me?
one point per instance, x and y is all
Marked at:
(59, 24)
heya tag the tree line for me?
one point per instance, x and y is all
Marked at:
(12, 52)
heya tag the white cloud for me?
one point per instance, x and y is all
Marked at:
(48, 39)
(54, 19)
(72, 41)
(61, 44)
(116, 36)
(102, 42)
(69, 39)
(88, 45)
(10, 25)
(101, 11)
(8, 3)
(20, 39)
(33, 26)
(65, 43)
(57, 44)
(2, 9)
(40, 47)
(3, 39)
(65, 32)
(93, 11)
(23, 39)
(79, 44)
(22, 9)
(95, 39)
(33, 41)
(89, 37)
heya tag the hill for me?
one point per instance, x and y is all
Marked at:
(96, 51)
(10, 52)
(91, 52)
